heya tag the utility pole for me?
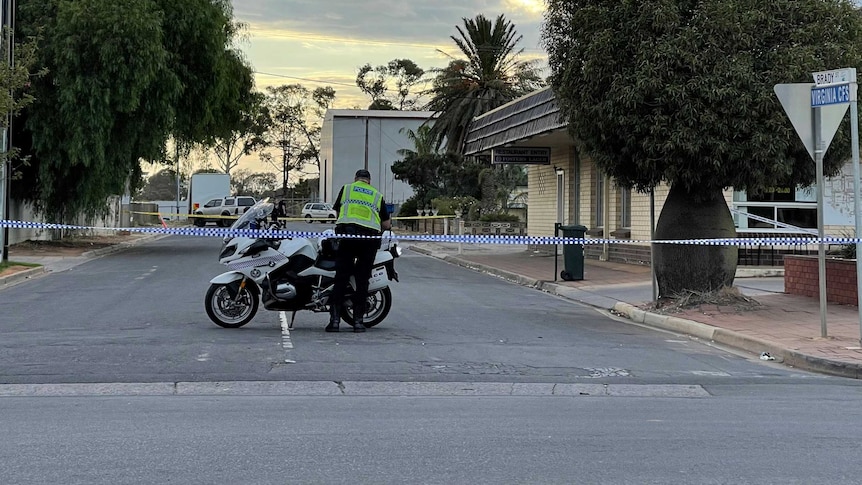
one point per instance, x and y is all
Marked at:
(7, 9)
(177, 172)
(365, 165)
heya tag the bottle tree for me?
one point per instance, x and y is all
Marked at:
(681, 92)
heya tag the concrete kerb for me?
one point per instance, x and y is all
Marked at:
(22, 275)
(121, 246)
(699, 330)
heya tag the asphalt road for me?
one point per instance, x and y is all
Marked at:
(112, 373)
(138, 316)
(787, 437)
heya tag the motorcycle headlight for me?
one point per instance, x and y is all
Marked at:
(227, 251)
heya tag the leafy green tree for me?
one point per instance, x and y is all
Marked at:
(246, 137)
(432, 174)
(216, 80)
(497, 183)
(400, 75)
(492, 74)
(306, 187)
(123, 77)
(680, 92)
(162, 185)
(15, 94)
(295, 119)
(246, 182)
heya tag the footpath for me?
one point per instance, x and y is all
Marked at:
(780, 327)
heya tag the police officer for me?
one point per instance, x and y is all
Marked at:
(361, 212)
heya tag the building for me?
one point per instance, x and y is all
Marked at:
(371, 139)
(569, 189)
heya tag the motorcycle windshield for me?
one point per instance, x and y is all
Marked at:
(257, 212)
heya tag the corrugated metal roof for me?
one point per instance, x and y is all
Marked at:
(527, 116)
(375, 113)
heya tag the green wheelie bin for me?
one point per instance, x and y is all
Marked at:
(573, 254)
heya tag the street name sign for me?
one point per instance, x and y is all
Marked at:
(521, 155)
(834, 94)
(834, 76)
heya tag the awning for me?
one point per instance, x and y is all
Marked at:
(528, 116)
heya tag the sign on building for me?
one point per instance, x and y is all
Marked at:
(522, 155)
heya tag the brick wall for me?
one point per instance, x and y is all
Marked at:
(801, 278)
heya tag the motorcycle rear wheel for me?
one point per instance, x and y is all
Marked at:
(377, 307)
(227, 312)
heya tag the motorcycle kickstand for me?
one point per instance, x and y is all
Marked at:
(292, 318)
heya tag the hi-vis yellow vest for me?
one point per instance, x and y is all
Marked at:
(360, 204)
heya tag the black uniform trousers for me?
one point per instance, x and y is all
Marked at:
(355, 257)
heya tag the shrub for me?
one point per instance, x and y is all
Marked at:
(845, 251)
(445, 206)
(408, 207)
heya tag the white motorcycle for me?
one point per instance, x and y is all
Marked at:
(290, 274)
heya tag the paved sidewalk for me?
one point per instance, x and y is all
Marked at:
(787, 327)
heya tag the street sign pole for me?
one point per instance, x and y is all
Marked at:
(816, 120)
(6, 7)
(857, 204)
(821, 248)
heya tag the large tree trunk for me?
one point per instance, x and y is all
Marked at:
(703, 268)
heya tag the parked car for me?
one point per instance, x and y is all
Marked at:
(319, 210)
(224, 206)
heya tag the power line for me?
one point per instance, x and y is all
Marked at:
(307, 79)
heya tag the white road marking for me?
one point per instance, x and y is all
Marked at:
(286, 343)
(148, 273)
(204, 357)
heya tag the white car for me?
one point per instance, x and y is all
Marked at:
(320, 211)
(225, 207)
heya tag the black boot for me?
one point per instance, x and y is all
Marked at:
(334, 319)
(358, 318)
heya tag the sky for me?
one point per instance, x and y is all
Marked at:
(325, 42)
(290, 41)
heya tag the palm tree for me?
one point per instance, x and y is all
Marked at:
(421, 139)
(492, 75)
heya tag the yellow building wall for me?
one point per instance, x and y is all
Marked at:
(542, 186)
(542, 208)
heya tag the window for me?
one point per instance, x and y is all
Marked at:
(784, 205)
(213, 203)
(246, 201)
(625, 207)
(230, 202)
(600, 199)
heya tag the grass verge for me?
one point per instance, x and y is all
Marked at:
(15, 263)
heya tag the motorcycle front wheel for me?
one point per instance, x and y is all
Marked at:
(377, 306)
(227, 311)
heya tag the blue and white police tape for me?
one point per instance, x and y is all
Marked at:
(466, 238)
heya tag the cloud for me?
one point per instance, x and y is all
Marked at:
(392, 22)
(324, 42)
